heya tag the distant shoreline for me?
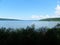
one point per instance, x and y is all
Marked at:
(50, 19)
(5, 19)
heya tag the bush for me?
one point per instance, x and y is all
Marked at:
(29, 36)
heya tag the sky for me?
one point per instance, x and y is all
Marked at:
(29, 9)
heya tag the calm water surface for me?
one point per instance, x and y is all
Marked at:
(24, 24)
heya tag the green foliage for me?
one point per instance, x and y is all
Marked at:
(51, 19)
(30, 36)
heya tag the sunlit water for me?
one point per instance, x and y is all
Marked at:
(24, 24)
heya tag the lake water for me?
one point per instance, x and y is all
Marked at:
(24, 24)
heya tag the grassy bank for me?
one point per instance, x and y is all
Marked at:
(29, 36)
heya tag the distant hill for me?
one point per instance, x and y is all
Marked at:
(50, 19)
(3, 19)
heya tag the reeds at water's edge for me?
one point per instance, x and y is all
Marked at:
(30, 36)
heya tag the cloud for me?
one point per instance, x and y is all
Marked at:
(57, 12)
(43, 17)
(39, 16)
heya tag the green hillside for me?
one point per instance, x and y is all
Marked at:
(2, 19)
(50, 19)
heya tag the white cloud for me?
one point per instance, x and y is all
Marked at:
(39, 16)
(57, 12)
(43, 17)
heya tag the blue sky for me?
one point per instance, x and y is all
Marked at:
(29, 9)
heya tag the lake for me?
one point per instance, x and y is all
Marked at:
(24, 24)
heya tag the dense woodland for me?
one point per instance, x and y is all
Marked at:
(30, 36)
